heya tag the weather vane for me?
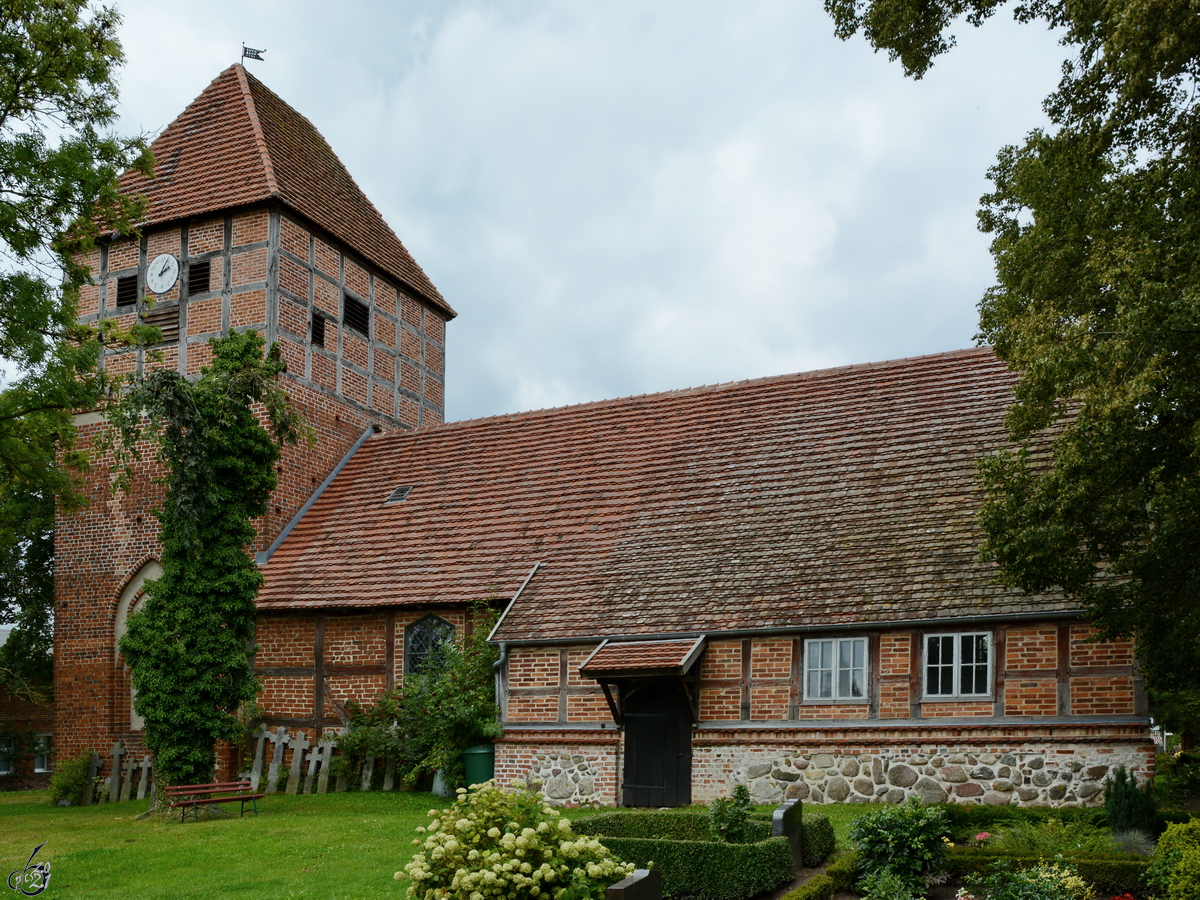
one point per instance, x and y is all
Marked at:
(251, 53)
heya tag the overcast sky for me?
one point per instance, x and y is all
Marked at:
(623, 197)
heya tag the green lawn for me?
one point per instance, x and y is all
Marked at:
(323, 847)
(328, 847)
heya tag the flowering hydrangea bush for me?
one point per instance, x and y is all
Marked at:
(494, 843)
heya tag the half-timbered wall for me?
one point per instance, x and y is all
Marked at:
(1058, 706)
(270, 273)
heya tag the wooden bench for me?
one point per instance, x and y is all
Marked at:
(190, 797)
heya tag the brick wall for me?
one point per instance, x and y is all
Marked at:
(760, 680)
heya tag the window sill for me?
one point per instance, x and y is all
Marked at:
(957, 698)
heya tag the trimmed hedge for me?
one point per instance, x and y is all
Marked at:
(844, 871)
(693, 865)
(819, 887)
(706, 870)
(677, 824)
(1112, 875)
(818, 838)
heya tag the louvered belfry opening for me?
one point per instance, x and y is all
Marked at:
(357, 315)
(199, 277)
(127, 290)
(166, 319)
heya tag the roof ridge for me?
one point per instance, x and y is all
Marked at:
(259, 139)
(703, 388)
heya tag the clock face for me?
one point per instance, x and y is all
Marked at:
(162, 273)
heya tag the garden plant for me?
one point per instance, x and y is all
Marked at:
(507, 844)
(901, 849)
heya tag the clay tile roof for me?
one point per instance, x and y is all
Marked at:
(846, 496)
(238, 143)
(643, 657)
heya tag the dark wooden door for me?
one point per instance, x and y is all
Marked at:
(658, 747)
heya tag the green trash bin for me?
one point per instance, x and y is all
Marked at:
(480, 763)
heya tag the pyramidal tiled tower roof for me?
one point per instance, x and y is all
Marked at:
(238, 143)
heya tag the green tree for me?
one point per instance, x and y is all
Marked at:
(1096, 239)
(27, 590)
(186, 644)
(58, 191)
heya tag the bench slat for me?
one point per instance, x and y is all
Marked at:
(208, 788)
(218, 800)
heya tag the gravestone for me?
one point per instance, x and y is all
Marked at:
(144, 783)
(127, 778)
(89, 789)
(280, 740)
(368, 773)
(298, 744)
(326, 760)
(262, 737)
(114, 780)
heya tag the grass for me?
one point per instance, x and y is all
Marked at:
(317, 847)
(325, 847)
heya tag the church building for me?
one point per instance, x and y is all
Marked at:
(773, 582)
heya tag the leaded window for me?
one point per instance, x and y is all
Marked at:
(424, 643)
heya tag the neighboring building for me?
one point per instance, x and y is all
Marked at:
(24, 726)
(253, 223)
(773, 582)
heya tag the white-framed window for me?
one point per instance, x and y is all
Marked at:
(43, 759)
(835, 669)
(958, 665)
(6, 756)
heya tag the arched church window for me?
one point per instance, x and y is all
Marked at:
(424, 643)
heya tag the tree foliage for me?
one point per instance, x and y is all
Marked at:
(58, 191)
(1096, 239)
(186, 643)
(27, 590)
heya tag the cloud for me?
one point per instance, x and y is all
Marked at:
(621, 197)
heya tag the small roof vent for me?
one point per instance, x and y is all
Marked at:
(399, 494)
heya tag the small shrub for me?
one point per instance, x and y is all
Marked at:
(818, 839)
(1129, 806)
(69, 780)
(885, 885)
(1046, 881)
(508, 844)
(1169, 875)
(729, 817)
(908, 841)
(1053, 836)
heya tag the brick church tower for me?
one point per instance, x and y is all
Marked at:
(253, 223)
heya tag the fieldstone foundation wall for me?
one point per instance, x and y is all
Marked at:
(571, 770)
(1054, 775)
